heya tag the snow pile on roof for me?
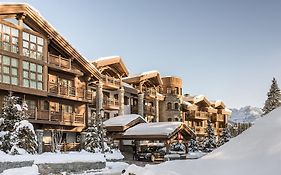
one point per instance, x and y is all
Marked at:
(198, 98)
(127, 85)
(122, 120)
(257, 151)
(106, 58)
(158, 128)
(247, 114)
(187, 103)
(150, 72)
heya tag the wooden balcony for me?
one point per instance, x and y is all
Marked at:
(69, 92)
(64, 63)
(110, 82)
(220, 117)
(198, 115)
(150, 92)
(149, 110)
(52, 117)
(110, 103)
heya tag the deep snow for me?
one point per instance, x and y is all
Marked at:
(257, 151)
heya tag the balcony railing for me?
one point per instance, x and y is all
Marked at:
(220, 117)
(150, 92)
(110, 103)
(59, 61)
(200, 130)
(80, 93)
(198, 115)
(150, 110)
(111, 81)
(53, 116)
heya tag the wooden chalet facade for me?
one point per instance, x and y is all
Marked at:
(41, 67)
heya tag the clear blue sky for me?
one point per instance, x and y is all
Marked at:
(225, 49)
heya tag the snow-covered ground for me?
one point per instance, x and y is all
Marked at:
(247, 114)
(257, 151)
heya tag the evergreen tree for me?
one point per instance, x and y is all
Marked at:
(225, 136)
(273, 100)
(17, 134)
(193, 145)
(210, 141)
(94, 134)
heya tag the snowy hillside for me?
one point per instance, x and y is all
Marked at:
(247, 114)
(257, 151)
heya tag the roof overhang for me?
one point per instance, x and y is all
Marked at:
(151, 76)
(38, 23)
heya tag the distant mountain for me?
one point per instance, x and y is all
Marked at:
(247, 114)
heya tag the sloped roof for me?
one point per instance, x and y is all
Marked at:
(154, 76)
(34, 19)
(114, 61)
(123, 122)
(158, 130)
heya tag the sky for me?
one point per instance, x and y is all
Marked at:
(224, 49)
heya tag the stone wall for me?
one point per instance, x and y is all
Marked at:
(10, 165)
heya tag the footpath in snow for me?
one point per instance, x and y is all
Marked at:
(257, 151)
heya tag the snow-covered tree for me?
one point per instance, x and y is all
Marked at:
(273, 98)
(193, 145)
(96, 139)
(225, 136)
(210, 141)
(17, 135)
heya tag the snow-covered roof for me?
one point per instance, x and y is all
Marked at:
(122, 120)
(106, 58)
(152, 75)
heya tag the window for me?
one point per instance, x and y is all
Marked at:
(169, 90)
(126, 100)
(31, 104)
(169, 106)
(169, 119)
(176, 106)
(177, 91)
(176, 119)
(8, 70)
(32, 75)
(9, 38)
(44, 105)
(66, 108)
(32, 46)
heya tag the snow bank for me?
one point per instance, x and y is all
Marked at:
(25, 170)
(115, 155)
(70, 157)
(257, 151)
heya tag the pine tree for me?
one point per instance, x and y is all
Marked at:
(210, 140)
(193, 145)
(17, 134)
(225, 136)
(94, 135)
(273, 100)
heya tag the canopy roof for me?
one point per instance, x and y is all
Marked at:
(158, 131)
(36, 22)
(123, 122)
(114, 62)
(150, 76)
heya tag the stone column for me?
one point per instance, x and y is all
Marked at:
(39, 134)
(121, 101)
(156, 109)
(140, 104)
(99, 99)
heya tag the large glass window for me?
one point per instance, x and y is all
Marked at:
(32, 75)
(32, 46)
(8, 70)
(9, 38)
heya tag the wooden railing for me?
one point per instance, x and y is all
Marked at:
(55, 116)
(69, 91)
(59, 61)
(110, 102)
(111, 81)
(150, 92)
(200, 130)
(220, 117)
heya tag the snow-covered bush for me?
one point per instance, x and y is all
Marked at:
(17, 135)
(193, 145)
(209, 143)
(225, 137)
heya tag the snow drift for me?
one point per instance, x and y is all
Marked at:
(257, 151)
